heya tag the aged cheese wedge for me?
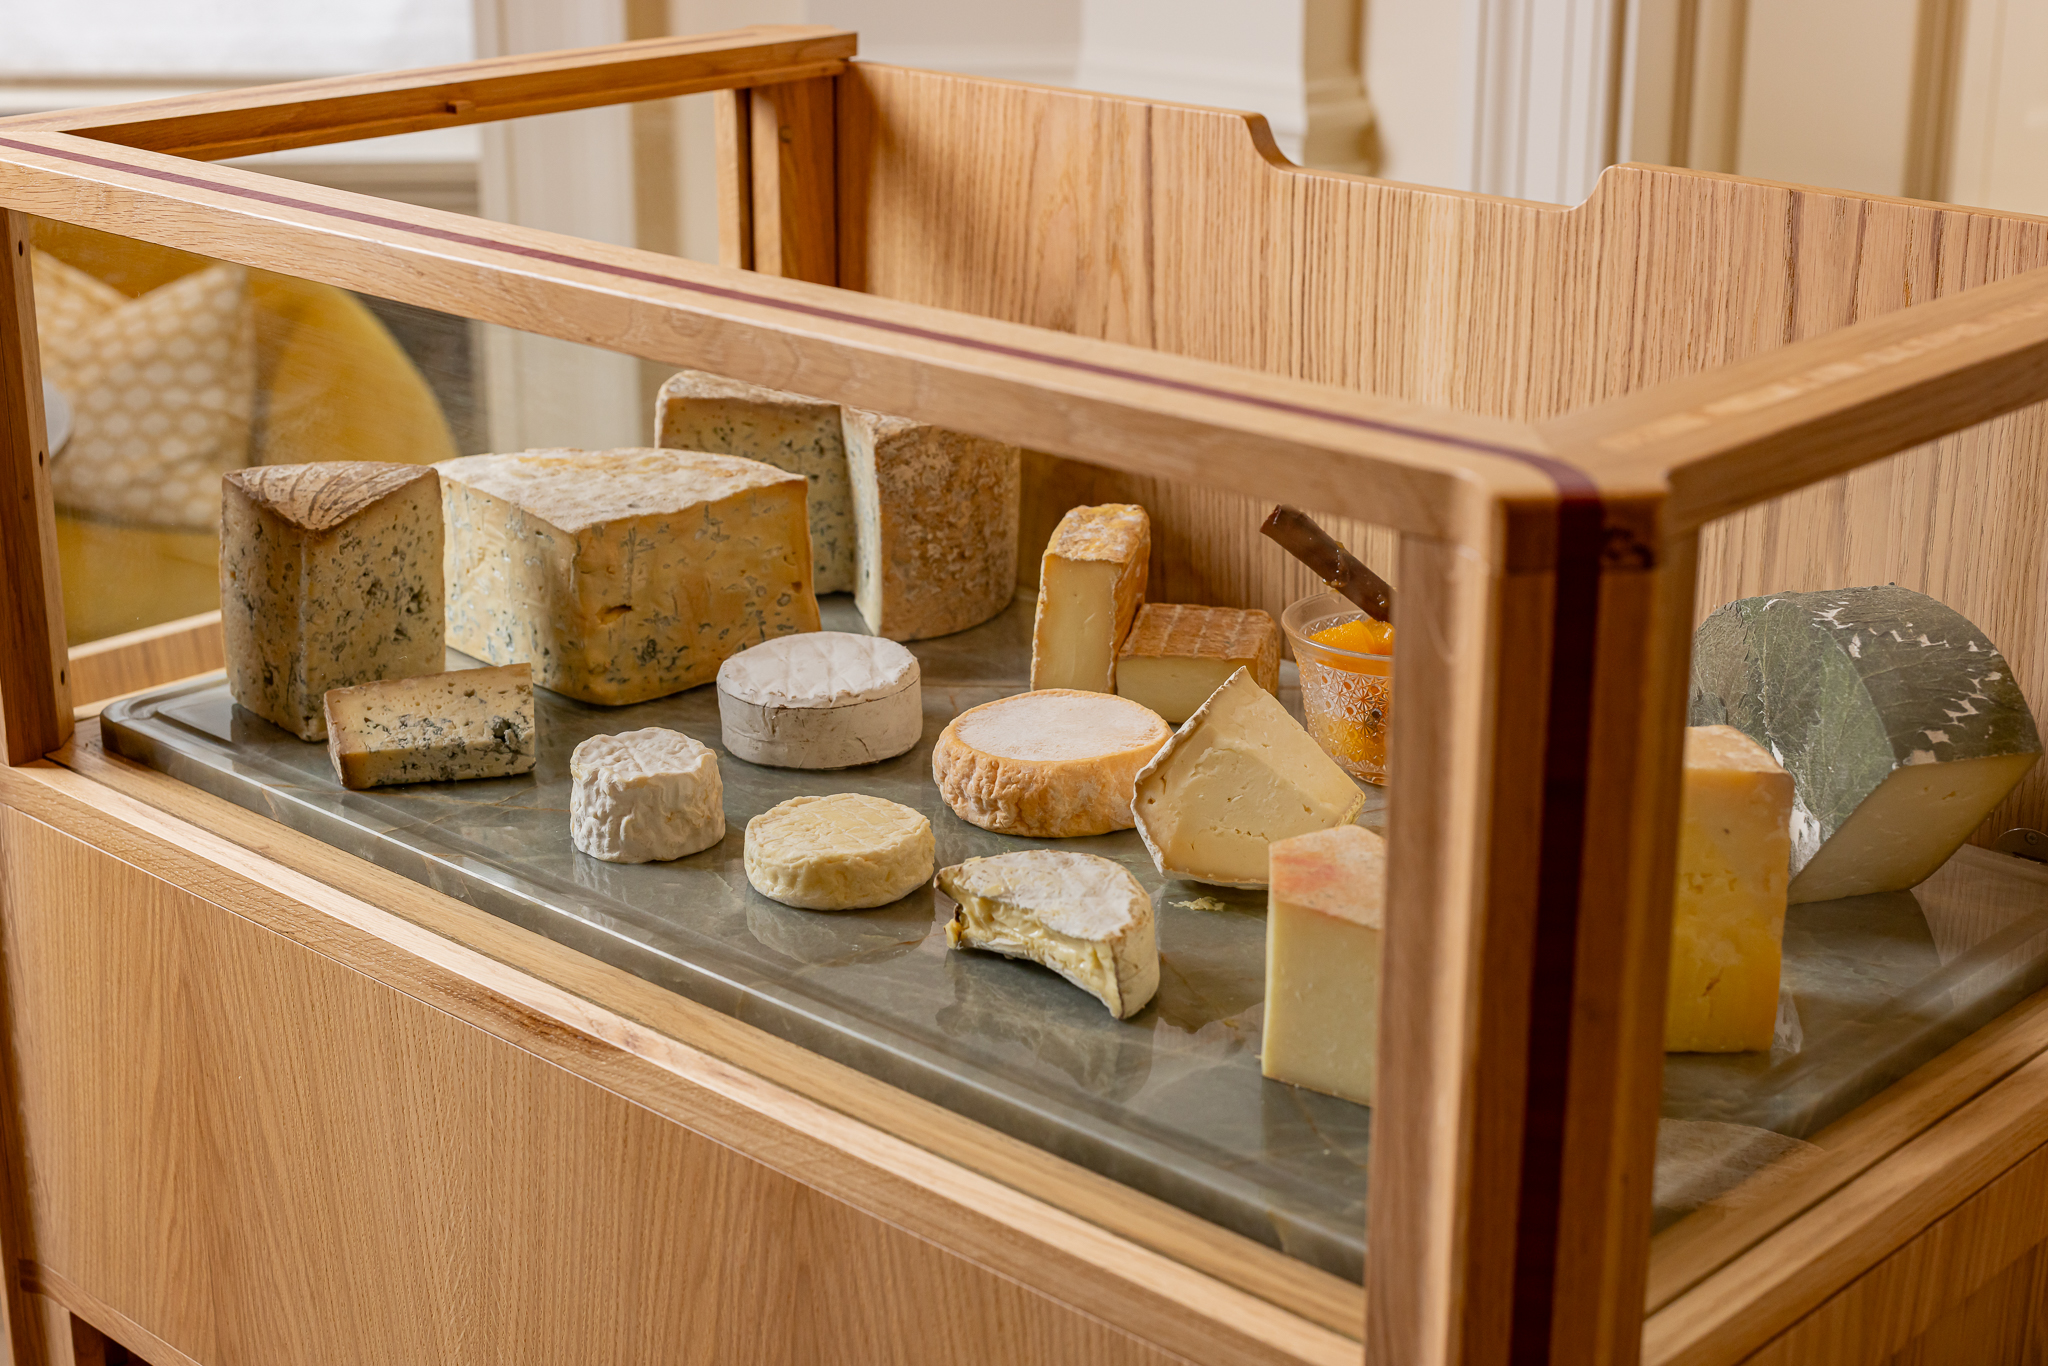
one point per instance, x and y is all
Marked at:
(935, 525)
(623, 575)
(1901, 724)
(1238, 774)
(838, 853)
(1324, 912)
(645, 796)
(1084, 917)
(1176, 655)
(471, 723)
(1089, 586)
(330, 575)
(1728, 926)
(824, 699)
(1048, 765)
(698, 411)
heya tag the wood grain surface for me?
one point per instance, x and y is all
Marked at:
(105, 669)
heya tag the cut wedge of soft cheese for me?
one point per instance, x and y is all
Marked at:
(1048, 765)
(935, 531)
(645, 796)
(471, 723)
(1901, 724)
(843, 852)
(330, 575)
(1089, 586)
(1176, 655)
(824, 699)
(1238, 774)
(1728, 921)
(697, 411)
(1084, 917)
(1324, 911)
(623, 575)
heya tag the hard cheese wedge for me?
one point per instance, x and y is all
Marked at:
(471, 723)
(1728, 925)
(1239, 774)
(1176, 655)
(1089, 586)
(1901, 724)
(1084, 917)
(1324, 913)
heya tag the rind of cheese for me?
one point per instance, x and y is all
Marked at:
(1177, 654)
(645, 796)
(330, 575)
(446, 727)
(1084, 917)
(935, 524)
(842, 852)
(1325, 911)
(1048, 765)
(623, 575)
(825, 699)
(1089, 587)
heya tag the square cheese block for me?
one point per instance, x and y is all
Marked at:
(623, 575)
(330, 575)
(1177, 654)
(698, 411)
(1728, 922)
(1089, 587)
(935, 525)
(470, 723)
(1324, 912)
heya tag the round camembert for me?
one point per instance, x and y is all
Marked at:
(1052, 764)
(823, 699)
(644, 797)
(844, 852)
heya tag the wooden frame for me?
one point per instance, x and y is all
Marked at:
(1548, 562)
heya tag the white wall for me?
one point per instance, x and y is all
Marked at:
(159, 38)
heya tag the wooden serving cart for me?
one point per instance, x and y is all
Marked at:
(269, 1102)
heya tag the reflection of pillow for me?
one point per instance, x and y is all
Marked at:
(162, 388)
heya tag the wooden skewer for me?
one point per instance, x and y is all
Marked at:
(1292, 530)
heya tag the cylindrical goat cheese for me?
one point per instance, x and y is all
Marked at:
(645, 797)
(823, 699)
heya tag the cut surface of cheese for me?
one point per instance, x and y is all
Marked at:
(698, 411)
(824, 699)
(471, 723)
(330, 575)
(1901, 724)
(1084, 917)
(645, 796)
(1089, 587)
(1728, 925)
(935, 532)
(1325, 909)
(1048, 765)
(623, 575)
(842, 852)
(1176, 655)
(1238, 774)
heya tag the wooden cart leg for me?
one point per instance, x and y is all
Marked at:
(794, 212)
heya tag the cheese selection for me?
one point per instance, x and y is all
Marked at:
(824, 699)
(644, 796)
(445, 727)
(1325, 910)
(1052, 764)
(1083, 916)
(842, 852)
(1090, 583)
(1177, 654)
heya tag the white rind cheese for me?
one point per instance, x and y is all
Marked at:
(1325, 910)
(645, 796)
(1084, 917)
(1047, 765)
(825, 699)
(471, 723)
(842, 852)
(1176, 655)
(1089, 586)
(623, 575)
(330, 575)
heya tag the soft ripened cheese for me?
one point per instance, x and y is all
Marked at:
(1324, 912)
(1176, 655)
(330, 575)
(645, 796)
(935, 532)
(1089, 586)
(1238, 774)
(1728, 924)
(1047, 765)
(842, 852)
(1084, 917)
(1901, 724)
(698, 411)
(471, 723)
(824, 699)
(623, 575)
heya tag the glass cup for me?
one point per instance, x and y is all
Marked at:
(1346, 697)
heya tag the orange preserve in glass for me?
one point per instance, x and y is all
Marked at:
(1347, 680)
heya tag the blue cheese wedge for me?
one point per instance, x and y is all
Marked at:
(1083, 916)
(471, 723)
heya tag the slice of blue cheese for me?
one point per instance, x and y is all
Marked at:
(1900, 722)
(623, 575)
(472, 723)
